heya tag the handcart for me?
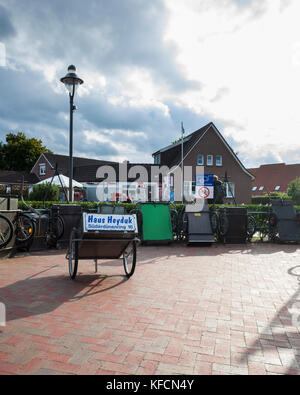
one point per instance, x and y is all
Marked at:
(284, 221)
(104, 236)
(197, 226)
(235, 225)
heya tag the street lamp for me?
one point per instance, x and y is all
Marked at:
(71, 81)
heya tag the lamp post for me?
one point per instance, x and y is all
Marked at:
(71, 81)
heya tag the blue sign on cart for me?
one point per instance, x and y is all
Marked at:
(109, 222)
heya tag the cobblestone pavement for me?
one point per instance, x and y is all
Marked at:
(186, 310)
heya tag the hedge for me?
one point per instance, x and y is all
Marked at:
(131, 206)
(265, 199)
(85, 205)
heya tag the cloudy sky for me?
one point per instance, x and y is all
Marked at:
(147, 66)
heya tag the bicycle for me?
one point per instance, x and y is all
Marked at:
(21, 226)
(6, 231)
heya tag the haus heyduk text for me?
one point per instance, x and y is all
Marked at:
(110, 222)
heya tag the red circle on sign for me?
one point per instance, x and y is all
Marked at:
(203, 192)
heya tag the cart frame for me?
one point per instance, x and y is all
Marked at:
(102, 245)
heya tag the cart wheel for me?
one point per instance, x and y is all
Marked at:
(73, 255)
(129, 259)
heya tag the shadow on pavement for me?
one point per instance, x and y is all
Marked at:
(39, 295)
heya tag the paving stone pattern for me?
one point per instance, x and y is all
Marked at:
(186, 310)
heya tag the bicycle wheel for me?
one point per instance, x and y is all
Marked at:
(73, 255)
(129, 259)
(60, 228)
(174, 221)
(251, 226)
(24, 227)
(223, 224)
(214, 222)
(6, 231)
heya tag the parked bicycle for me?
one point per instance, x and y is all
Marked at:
(22, 226)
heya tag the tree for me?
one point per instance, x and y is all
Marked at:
(39, 192)
(20, 153)
(294, 190)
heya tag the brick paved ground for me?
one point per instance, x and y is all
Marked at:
(186, 310)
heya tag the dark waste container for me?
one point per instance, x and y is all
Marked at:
(237, 219)
(199, 228)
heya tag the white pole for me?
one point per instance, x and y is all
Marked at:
(182, 182)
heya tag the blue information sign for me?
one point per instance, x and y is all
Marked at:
(205, 180)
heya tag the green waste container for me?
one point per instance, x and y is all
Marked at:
(155, 225)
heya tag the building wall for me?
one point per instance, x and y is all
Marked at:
(211, 144)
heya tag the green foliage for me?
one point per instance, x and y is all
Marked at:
(294, 190)
(20, 153)
(265, 199)
(39, 192)
(38, 204)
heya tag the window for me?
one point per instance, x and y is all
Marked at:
(219, 160)
(209, 160)
(157, 159)
(200, 160)
(42, 169)
(261, 188)
(254, 189)
(230, 189)
(277, 188)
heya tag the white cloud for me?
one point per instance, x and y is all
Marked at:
(251, 64)
(245, 56)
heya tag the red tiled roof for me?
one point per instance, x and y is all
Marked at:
(270, 176)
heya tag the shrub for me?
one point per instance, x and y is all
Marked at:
(265, 199)
(294, 190)
(40, 190)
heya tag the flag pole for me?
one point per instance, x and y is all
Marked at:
(182, 181)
